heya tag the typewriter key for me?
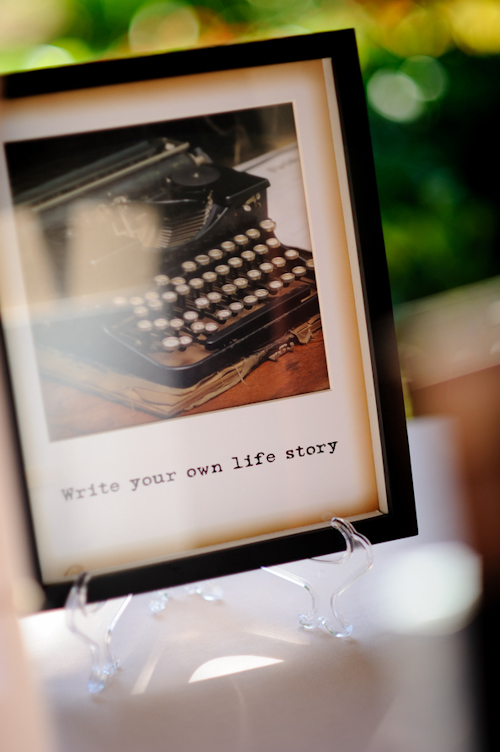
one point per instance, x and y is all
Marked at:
(162, 280)
(141, 311)
(190, 317)
(178, 281)
(120, 302)
(261, 294)
(170, 344)
(155, 305)
(292, 256)
(144, 326)
(273, 244)
(267, 225)
(214, 298)
(249, 301)
(287, 278)
(210, 278)
(267, 269)
(188, 267)
(160, 324)
(202, 304)
(310, 268)
(223, 315)
(254, 276)
(176, 324)
(229, 290)
(279, 263)
(228, 247)
(196, 284)
(253, 234)
(222, 271)
(236, 307)
(236, 265)
(182, 294)
(151, 295)
(136, 301)
(241, 284)
(169, 299)
(211, 327)
(185, 341)
(241, 241)
(299, 271)
(248, 258)
(197, 327)
(202, 259)
(261, 250)
(215, 255)
(275, 286)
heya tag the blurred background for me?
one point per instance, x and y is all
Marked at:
(431, 69)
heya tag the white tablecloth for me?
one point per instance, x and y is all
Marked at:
(376, 691)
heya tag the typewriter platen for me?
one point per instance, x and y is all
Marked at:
(223, 283)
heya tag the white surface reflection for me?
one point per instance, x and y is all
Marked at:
(230, 664)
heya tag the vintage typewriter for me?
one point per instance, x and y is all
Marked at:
(222, 284)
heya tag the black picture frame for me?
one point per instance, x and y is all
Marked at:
(339, 53)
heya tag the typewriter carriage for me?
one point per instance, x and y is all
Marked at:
(192, 201)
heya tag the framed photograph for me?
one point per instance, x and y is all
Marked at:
(199, 350)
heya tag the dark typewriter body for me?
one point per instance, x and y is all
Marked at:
(223, 285)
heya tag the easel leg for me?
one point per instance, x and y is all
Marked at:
(319, 616)
(85, 622)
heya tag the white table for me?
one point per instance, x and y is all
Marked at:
(374, 692)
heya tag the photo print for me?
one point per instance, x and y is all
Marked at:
(169, 268)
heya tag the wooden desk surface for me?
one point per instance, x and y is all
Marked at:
(74, 412)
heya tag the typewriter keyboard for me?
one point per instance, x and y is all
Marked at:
(218, 305)
(195, 319)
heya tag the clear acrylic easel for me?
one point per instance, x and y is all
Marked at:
(322, 610)
(83, 619)
(92, 624)
(209, 590)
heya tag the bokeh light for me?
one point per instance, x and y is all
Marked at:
(48, 55)
(164, 26)
(429, 75)
(407, 29)
(31, 22)
(432, 589)
(395, 96)
(476, 25)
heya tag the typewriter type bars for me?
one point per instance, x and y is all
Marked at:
(225, 284)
